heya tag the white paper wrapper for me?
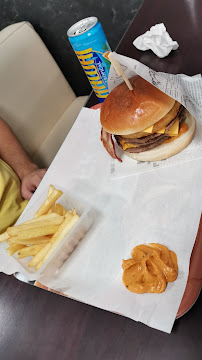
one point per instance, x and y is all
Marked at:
(162, 206)
(185, 89)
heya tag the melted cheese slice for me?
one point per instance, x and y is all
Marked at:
(173, 131)
(126, 145)
(148, 130)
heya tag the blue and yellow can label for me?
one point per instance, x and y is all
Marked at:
(96, 67)
(92, 48)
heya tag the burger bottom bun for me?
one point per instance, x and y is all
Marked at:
(166, 150)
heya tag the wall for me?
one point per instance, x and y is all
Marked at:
(52, 18)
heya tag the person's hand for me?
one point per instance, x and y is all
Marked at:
(30, 182)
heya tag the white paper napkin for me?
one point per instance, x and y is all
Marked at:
(156, 39)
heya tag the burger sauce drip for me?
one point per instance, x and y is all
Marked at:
(182, 130)
(150, 269)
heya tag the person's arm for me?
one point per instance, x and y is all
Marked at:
(12, 152)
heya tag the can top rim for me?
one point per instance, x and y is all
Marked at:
(82, 26)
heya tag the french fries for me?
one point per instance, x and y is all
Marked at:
(30, 233)
(63, 230)
(51, 218)
(50, 189)
(32, 241)
(29, 251)
(48, 203)
(39, 237)
(13, 248)
(39, 255)
(4, 237)
(60, 210)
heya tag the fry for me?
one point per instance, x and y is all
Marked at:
(62, 231)
(40, 255)
(29, 251)
(50, 189)
(29, 233)
(60, 210)
(68, 212)
(13, 248)
(4, 237)
(55, 194)
(32, 241)
(51, 210)
(53, 220)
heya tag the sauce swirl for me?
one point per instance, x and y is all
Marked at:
(150, 269)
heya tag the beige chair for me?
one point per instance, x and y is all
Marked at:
(35, 98)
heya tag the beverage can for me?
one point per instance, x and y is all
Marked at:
(91, 47)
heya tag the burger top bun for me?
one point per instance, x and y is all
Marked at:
(127, 111)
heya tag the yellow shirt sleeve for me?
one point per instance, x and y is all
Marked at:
(11, 202)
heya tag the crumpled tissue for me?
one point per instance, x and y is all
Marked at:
(156, 39)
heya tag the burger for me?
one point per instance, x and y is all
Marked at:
(147, 124)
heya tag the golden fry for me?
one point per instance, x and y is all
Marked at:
(48, 203)
(34, 232)
(47, 217)
(45, 220)
(60, 210)
(51, 210)
(62, 231)
(68, 212)
(29, 251)
(32, 241)
(51, 189)
(39, 256)
(13, 248)
(4, 237)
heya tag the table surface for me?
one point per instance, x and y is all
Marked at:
(182, 19)
(37, 324)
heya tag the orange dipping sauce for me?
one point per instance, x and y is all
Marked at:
(150, 269)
